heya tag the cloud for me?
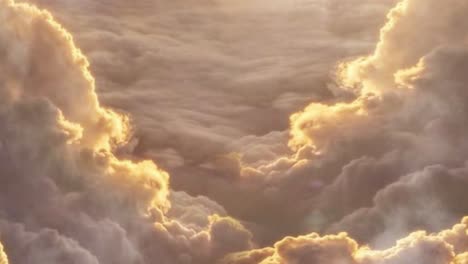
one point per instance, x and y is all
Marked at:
(379, 153)
(3, 256)
(419, 247)
(64, 194)
(406, 114)
(419, 114)
(419, 200)
(45, 246)
(355, 17)
(207, 76)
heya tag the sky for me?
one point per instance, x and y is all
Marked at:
(233, 132)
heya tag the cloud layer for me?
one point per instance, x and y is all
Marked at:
(203, 79)
(380, 152)
(447, 247)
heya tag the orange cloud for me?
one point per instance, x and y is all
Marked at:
(446, 247)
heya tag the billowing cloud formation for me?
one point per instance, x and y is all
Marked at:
(380, 154)
(409, 109)
(392, 159)
(46, 84)
(447, 247)
(392, 145)
(64, 195)
(218, 77)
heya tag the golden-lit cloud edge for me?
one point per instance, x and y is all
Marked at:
(81, 116)
(3, 256)
(446, 247)
(65, 139)
(98, 130)
(372, 78)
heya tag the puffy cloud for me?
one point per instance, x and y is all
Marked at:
(446, 247)
(45, 246)
(380, 153)
(354, 152)
(224, 77)
(428, 199)
(65, 195)
(407, 114)
(24, 53)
